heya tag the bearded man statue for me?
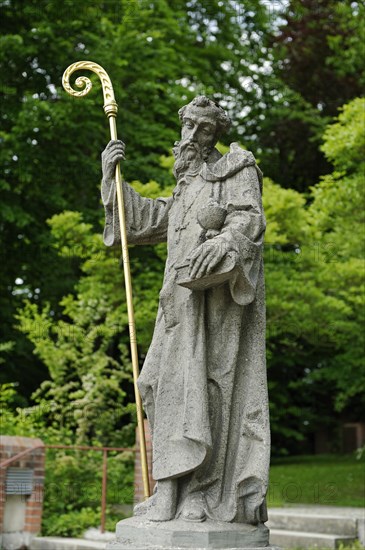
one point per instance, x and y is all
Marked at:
(203, 383)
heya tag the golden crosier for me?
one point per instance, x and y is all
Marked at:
(111, 110)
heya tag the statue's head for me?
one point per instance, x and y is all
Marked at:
(203, 122)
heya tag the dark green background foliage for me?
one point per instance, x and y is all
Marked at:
(282, 71)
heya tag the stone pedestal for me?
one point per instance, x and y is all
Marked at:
(140, 534)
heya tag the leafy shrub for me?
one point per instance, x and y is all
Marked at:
(72, 523)
(73, 490)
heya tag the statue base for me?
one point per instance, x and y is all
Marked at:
(138, 533)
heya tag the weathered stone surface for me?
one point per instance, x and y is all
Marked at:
(203, 383)
(141, 532)
(316, 526)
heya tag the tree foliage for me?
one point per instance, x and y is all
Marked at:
(316, 67)
(314, 275)
(86, 348)
(338, 216)
(282, 74)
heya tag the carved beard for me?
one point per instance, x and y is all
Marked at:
(189, 157)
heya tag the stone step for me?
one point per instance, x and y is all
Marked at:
(278, 537)
(315, 523)
(300, 539)
(60, 543)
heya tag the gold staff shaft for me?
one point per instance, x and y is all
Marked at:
(111, 109)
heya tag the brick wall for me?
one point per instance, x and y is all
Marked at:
(9, 447)
(138, 480)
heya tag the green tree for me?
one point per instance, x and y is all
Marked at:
(316, 66)
(86, 350)
(47, 166)
(338, 216)
(314, 275)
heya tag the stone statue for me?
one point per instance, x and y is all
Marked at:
(203, 383)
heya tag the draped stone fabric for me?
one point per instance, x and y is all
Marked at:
(203, 383)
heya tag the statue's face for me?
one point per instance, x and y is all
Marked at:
(199, 128)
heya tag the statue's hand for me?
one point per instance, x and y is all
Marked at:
(206, 257)
(113, 153)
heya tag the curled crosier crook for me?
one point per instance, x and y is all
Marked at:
(110, 106)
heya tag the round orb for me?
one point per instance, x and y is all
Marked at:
(212, 216)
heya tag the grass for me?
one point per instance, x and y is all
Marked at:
(331, 480)
(352, 546)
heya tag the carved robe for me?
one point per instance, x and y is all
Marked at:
(203, 383)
